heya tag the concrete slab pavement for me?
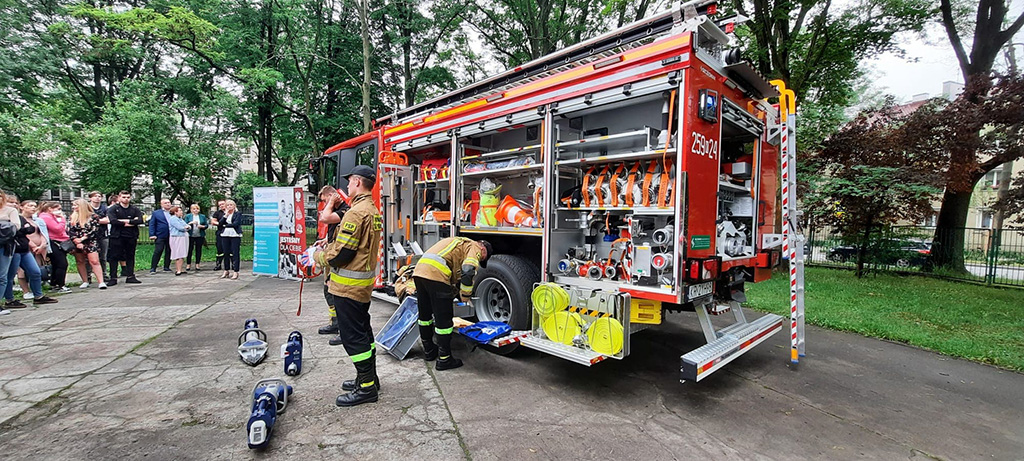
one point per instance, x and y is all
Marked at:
(151, 371)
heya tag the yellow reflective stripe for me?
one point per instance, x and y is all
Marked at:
(348, 281)
(437, 262)
(450, 247)
(347, 240)
(367, 384)
(466, 288)
(443, 331)
(426, 323)
(364, 355)
(472, 262)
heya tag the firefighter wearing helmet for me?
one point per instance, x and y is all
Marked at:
(451, 261)
(352, 259)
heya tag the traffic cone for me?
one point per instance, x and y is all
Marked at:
(509, 211)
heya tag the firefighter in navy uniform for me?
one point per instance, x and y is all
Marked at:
(352, 259)
(451, 261)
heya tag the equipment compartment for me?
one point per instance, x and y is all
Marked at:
(615, 181)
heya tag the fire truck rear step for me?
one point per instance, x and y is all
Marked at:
(572, 354)
(733, 342)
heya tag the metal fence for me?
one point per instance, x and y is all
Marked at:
(988, 258)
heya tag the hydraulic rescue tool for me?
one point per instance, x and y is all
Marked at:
(291, 352)
(269, 399)
(252, 343)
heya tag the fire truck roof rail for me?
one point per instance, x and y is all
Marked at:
(595, 47)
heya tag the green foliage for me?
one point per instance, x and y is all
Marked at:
(242, 188)
(26, 173)
(981, 324)
(521, 31)
(816, 46)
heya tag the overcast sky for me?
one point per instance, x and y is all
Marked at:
(929, 61)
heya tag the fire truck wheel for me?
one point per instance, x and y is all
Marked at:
(504, 290)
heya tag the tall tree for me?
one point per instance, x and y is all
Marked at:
(519, 31)
(863, 179)
(816, 46)
(968, 163)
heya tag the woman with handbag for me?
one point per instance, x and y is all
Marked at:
(25, 260)
(84, 230)
(9, 224)
(60, 244)
(230, 230)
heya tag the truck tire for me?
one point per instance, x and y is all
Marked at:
(504, 288)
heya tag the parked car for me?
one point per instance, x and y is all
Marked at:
(890, 252)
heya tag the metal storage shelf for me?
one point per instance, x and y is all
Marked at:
(534, 231)
(618, 157)
(597, 140)
(732, 187)
(505, 152)
(431, 223)
(635, 210)
(431, 181)
(512, 169)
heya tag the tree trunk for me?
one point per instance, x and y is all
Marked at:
(947, 250)
(364, 29)
(862, 252)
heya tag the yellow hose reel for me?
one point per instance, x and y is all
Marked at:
(562, 327)
(605, 336)
(549, 298)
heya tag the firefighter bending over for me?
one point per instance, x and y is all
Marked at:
(451, 261)
(352, 258)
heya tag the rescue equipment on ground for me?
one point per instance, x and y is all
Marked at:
(269, 399)
(485, 332)
(510, 211)
(252, 343)
(291, 352)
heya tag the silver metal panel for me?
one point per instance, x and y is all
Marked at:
(572, 354)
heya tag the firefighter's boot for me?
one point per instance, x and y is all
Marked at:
(366, 389)
(349, 385)
(331, 329)
(445, 361)
(427, 337)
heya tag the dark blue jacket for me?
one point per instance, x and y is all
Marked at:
(158, 226)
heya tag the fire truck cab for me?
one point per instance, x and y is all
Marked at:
(631, 175)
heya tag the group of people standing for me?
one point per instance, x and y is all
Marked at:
(180, 236)
(36, 239)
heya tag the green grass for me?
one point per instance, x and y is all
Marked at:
(958, 319)
(144, 255)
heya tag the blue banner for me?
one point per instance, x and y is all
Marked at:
(265, 257)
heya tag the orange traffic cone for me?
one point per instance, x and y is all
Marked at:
(510, 212)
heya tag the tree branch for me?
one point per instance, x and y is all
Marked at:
(954, 37)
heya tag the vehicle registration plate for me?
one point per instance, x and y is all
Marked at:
(699, 290)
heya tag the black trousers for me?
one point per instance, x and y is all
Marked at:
(104, 245)
(162, 246)
(122, 249)
(435, 308)
(354, 327)
(331, 310)
(219, 242)
(231, 246)
(59, 261)
(195, 244)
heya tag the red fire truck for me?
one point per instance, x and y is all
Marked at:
(628, 176)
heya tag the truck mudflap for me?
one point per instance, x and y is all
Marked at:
(732, 342)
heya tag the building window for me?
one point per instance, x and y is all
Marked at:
(985, 220)
(991, 179)
(930, 221)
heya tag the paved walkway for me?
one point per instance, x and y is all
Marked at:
(151, 371)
